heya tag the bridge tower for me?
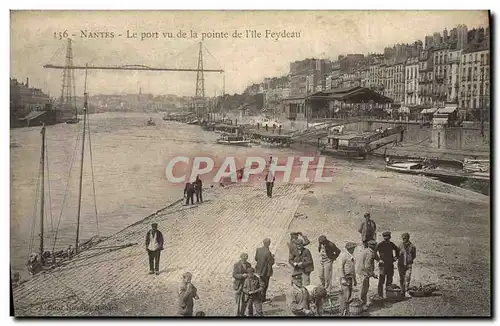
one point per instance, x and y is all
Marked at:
(199, 97)
(68, 93)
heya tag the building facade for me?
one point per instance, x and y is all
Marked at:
(411, 82)
(24, 99)
(474, 80)
(453, 75)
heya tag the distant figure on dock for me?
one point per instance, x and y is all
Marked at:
(407, 254)
(154, 246)
(368, 230)
(302, 262)
(294, 238)
(328, 252)
(189, 193)
(252, 289)
(187, 294)
(270, 182)
(297, 297)
(239, 275)
(198, 187)
(347, 276)
(388, 253)
(264, 266)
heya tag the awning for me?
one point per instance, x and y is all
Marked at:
(428, 111)
(33, 115)
(447, 109)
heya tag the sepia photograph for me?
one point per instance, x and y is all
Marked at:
(216, 163)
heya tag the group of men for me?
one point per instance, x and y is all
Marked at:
(250, 284)
(386, 253)
(194, 188)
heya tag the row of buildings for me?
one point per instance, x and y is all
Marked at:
(448, 67)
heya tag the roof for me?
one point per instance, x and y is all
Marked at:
(447, 109)
(428, 111)
(354, 94)
(33, 115)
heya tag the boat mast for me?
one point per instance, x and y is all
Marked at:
(42, 204)
(81, 163)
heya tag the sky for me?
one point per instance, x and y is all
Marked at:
(35, 41)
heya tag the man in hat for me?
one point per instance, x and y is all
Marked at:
(189, 191)
(328, 252)
(270, 177)
(302, 262)
(407, 254)
(154, 245)
(297, 297)
(187, 295)
(253, 289)
(367, 268)
(264, 266)
(347, 276)
(368, 230)
(385, 250)
(294, 238)
(239, 275)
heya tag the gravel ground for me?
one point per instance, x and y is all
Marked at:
(450, 227)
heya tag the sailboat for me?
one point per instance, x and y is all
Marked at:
(44, 260)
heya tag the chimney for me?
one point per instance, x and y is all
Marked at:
(27, 82)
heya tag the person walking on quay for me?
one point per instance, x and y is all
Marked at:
(347, 276)
(154, 246)
(294, 238)
(187, 295)
(328, 252)
(189, 192)
(198, 187)
(368, 230)
(240, 274)
(302, 262)
(367, 269)
(407, 254)
(253, 290)
(385, 250)
(270, 177)
(297, 297)
(264, 266)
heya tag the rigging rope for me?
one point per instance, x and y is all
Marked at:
(93, 182)
(48, 182)
(217, 62)
(66, 191)
(30, 247)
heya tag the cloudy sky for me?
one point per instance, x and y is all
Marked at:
(323, 34)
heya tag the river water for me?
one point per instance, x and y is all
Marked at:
(129, 160)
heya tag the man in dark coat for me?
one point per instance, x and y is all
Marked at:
(189, 193)
(302, 262)
(154, 246)
(198, 189)
(240, 274)
(264, 267)
(368, 230)
(328, 252)
(385, 250)
(407, 254)
(294, 238)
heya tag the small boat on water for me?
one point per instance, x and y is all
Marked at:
(234, 140)
(151, 122)
(73, 120)
(192, 122)
(407, 167)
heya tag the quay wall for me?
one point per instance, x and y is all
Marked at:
(453, 138)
